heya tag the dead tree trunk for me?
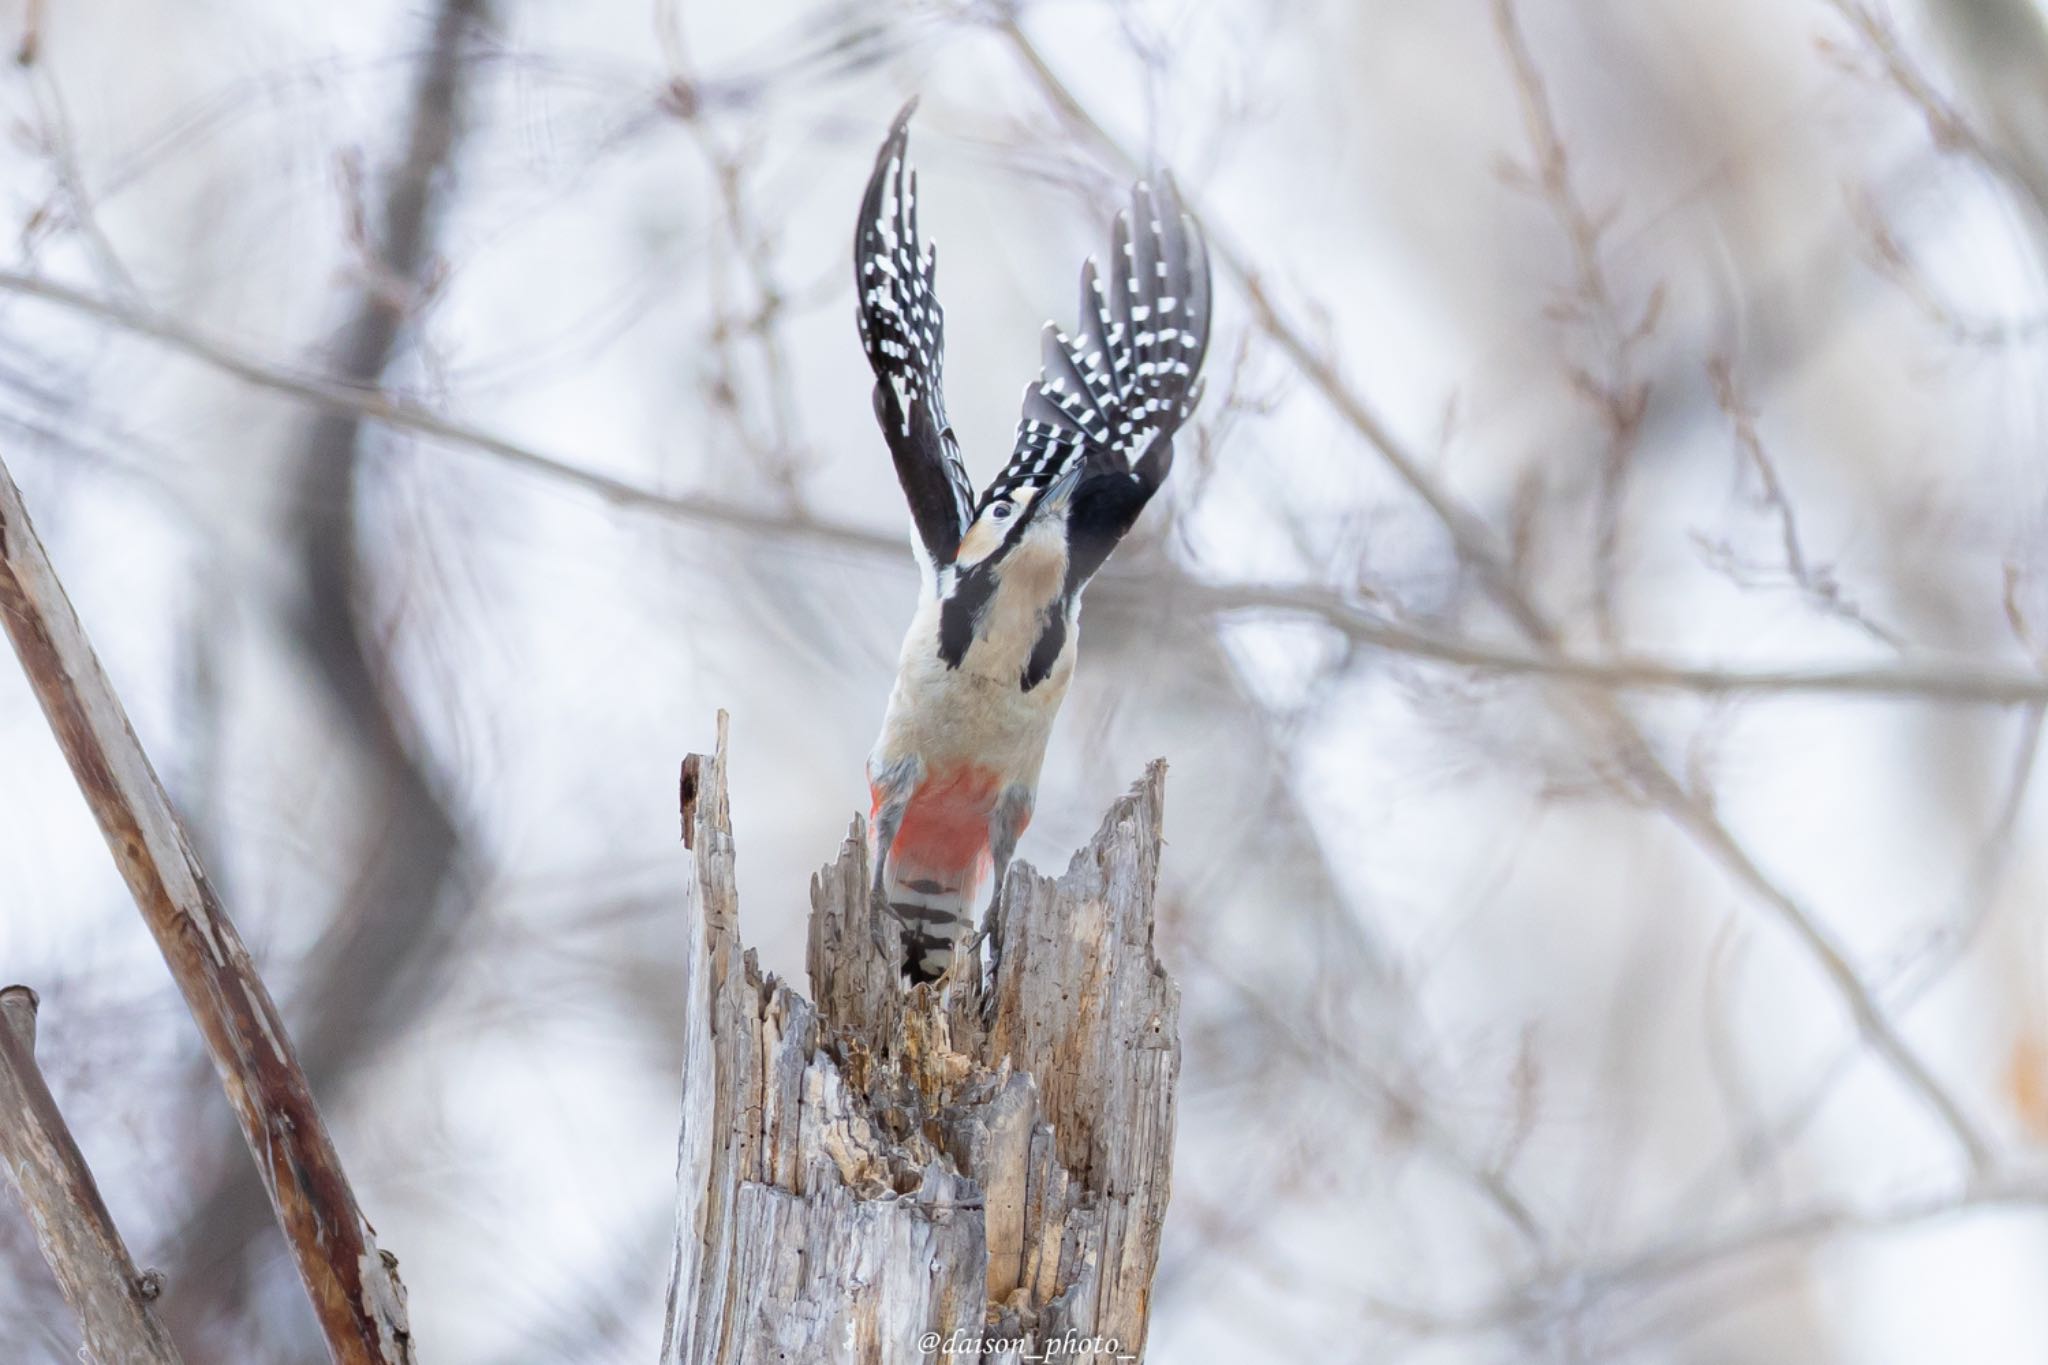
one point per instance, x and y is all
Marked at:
(892, 1177)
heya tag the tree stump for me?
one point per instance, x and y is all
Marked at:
(977, 1170)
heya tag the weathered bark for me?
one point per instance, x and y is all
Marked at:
(354, 1286)
(76, 1233)
(888, 1176)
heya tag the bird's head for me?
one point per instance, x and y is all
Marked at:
(1010, 519)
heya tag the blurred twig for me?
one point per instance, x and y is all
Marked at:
(1603, 715)
(354, 1287)
(1816, 581)
(398, 919)
(1616, 391)
(1961, 682)
(1404, 1107)
(57, 1189)
(1587, 1283)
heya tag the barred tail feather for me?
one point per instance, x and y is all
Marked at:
(935, 917)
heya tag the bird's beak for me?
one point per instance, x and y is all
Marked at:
(1060, 491)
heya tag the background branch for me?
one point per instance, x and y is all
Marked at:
(375, 963)
(1607, 721)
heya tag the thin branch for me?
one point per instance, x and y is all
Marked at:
(73, 1227)
(1398, 1108)
(1977, 900)
(373, 404)
(1817, 582)
(1602, 714)
(1619, 395)
(354, 1286)
(1588, 1283)
(1956, 684)
(1962, 682)
(1946, 125)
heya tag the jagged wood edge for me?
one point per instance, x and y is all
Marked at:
(815, 1138)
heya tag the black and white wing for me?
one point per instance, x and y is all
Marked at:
(903, 330)
(1113, 394)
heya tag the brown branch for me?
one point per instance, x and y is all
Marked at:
(354, 1286)
(73, 1227)
(367, 402)
(1602, 715)
(1946, 125)
(1960, 684)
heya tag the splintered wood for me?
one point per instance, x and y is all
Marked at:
(974, 1174)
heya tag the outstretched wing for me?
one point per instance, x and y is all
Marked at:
(903, 330)
(1113, 394)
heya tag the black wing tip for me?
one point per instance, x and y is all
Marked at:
(899, 127)
(894, 147)
(898, 140)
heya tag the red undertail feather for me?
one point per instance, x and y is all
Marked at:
(940, 863)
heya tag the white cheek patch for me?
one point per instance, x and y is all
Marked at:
(979, 542)
(987, 533)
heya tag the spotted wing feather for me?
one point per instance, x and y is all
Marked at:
(903, 331)
(1113, 393)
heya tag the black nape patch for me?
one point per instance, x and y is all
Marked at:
(960, 614)
(1046, 652)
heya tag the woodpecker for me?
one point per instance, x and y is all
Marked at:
(990, 651)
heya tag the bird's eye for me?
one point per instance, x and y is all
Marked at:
(1000, 511)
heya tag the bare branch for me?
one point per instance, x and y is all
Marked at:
(1959, 684)
(1602, 715)
(1962, 682)
(73, 1227)
(1816, 582)
(1616, 391)
(354, 1286)
(1945, 123)
(370, 403)
(1587, 1284)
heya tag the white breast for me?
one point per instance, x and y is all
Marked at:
(980, 711)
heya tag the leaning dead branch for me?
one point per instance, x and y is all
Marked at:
(880, 1176)
(354, 1286)
(73, 1227)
